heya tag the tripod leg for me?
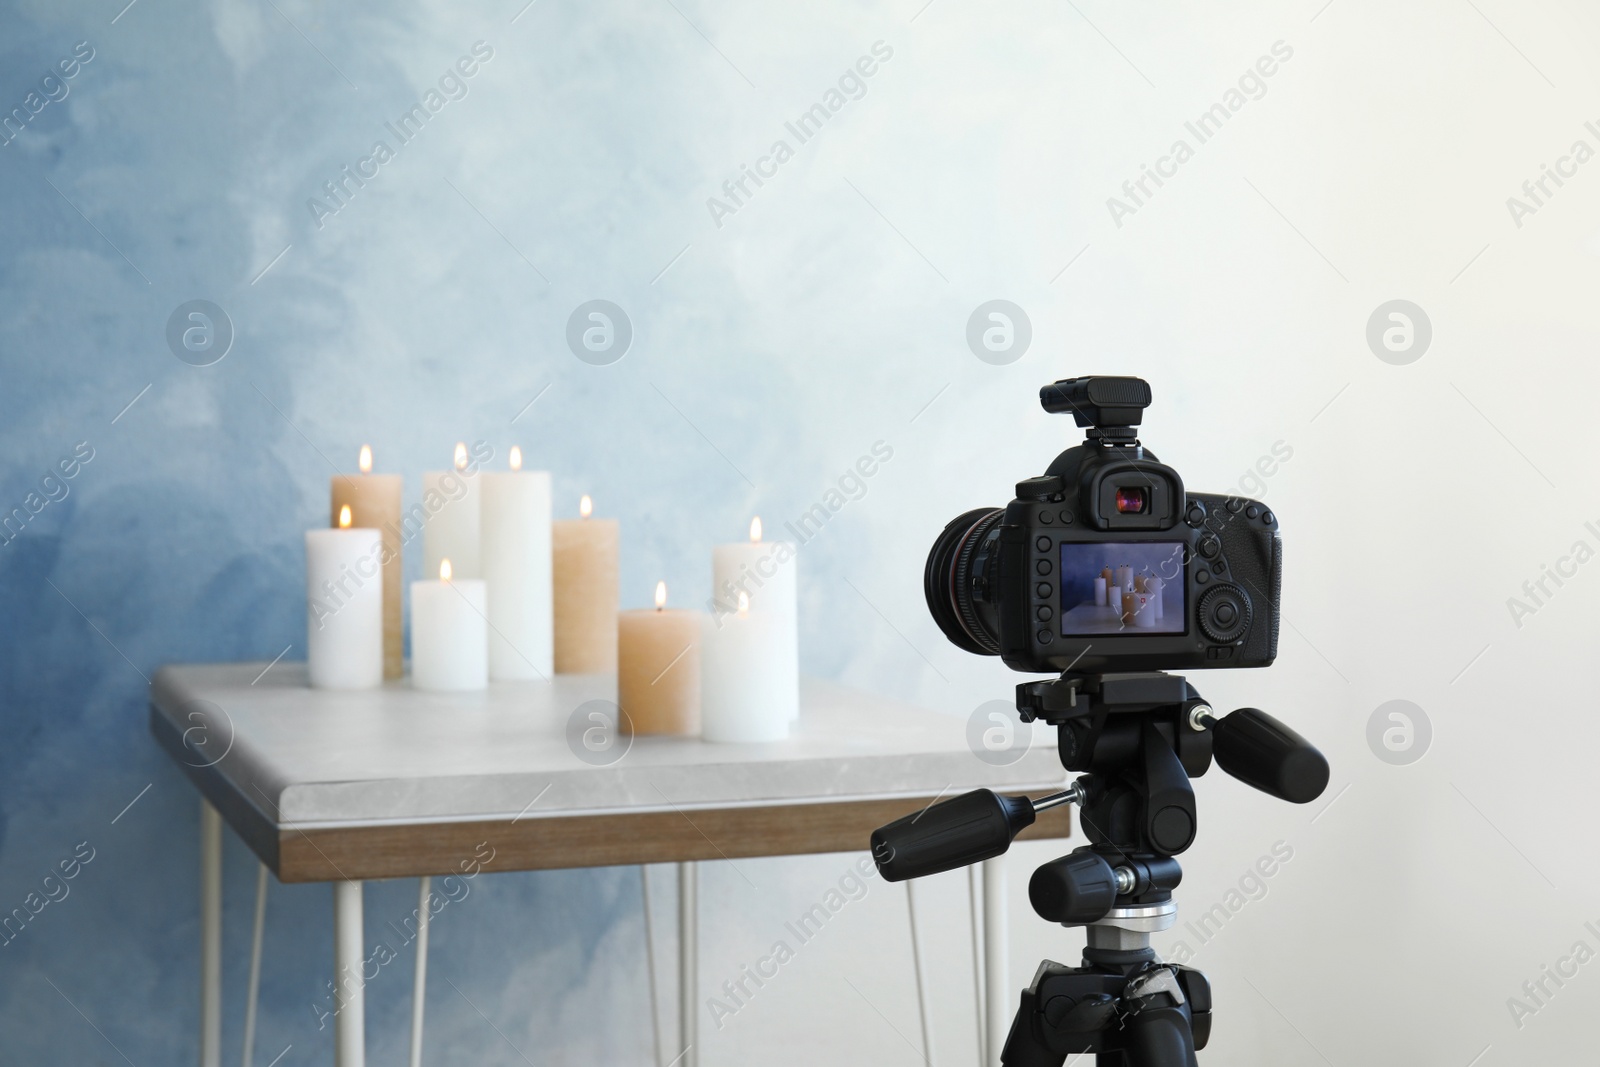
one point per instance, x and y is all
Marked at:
(1160, 1037)
(1023, 1047)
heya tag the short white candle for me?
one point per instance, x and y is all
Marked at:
(344, 606)
(742, 698)
(449, 633)
(450, 505)
(515, 528)
(765, 572)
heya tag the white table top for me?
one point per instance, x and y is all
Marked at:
(319, 758)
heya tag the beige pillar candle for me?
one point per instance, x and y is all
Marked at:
(585, 566)
(374, 502)
(658, 668)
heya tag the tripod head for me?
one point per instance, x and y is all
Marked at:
(1138, 738)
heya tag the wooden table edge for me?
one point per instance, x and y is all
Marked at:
(363, 851)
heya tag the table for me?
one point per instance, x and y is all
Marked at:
(343, 787)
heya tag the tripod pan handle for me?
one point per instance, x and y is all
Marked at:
(1262, 752)
(973, 826)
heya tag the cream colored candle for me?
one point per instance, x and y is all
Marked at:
(658, 668)
(585, 568)
(374, 503)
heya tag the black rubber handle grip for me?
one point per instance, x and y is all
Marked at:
(974, 826)
(1077, 889)
(1262, 752)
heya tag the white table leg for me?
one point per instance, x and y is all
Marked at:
(650, 968)
(419, 980)
(920, 964)
(210, 936)
(255, 968)
(688, 960)
(975, 896)
(349, 1026)
(995, 962)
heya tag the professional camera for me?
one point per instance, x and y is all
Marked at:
(1104, 563)
(1105, 571)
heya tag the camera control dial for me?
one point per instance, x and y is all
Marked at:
(1225, 613)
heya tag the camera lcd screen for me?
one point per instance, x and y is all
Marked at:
(1125, 587)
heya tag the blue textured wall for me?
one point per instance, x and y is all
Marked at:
(777, 337)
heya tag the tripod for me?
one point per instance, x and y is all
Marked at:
(1138, 738)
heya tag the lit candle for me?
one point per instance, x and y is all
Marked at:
(743, 697)
(585, 562)
(764, 571)
(515, 530)
(450, 518)
(658, 668)
(374, 503)
(449, 633)
(344, 607)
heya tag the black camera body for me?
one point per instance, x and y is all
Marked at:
(1104, 563)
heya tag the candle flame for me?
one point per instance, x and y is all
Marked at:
(444, 570)
(585, 506)
(461, 456)
(344, 517)
(661, 595)
(365, 462)
(744, 602)
(516, 458)
(755, 528)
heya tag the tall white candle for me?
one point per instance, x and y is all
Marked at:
(451, 502)
(743, 698)
(515, 529)
(449, 633)
(765, 573)
(344, 606)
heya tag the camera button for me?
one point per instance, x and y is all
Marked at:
(1266, 517)
(1042, 590)
(1066, 517)
(1210, 547)
(1197, 514)
(1043, 544)
(1043, 566)
(1252, 512)
(1044, 614)
(1202, 577)
(1045, 637)
(1046, 518)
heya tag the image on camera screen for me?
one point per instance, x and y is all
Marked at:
(1132, 587)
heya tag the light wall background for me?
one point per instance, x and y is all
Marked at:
(769, 353)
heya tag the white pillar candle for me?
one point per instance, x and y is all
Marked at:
(449, 633)
(515, 529)
(450, 504)
(1144, 610)
(1125, 577)
(344, 607)
(1154, 584)
(1100, 592)
(743, 698)
(764, 571)
(374, 502)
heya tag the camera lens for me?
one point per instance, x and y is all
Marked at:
(962, 567)
(1132, 499)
